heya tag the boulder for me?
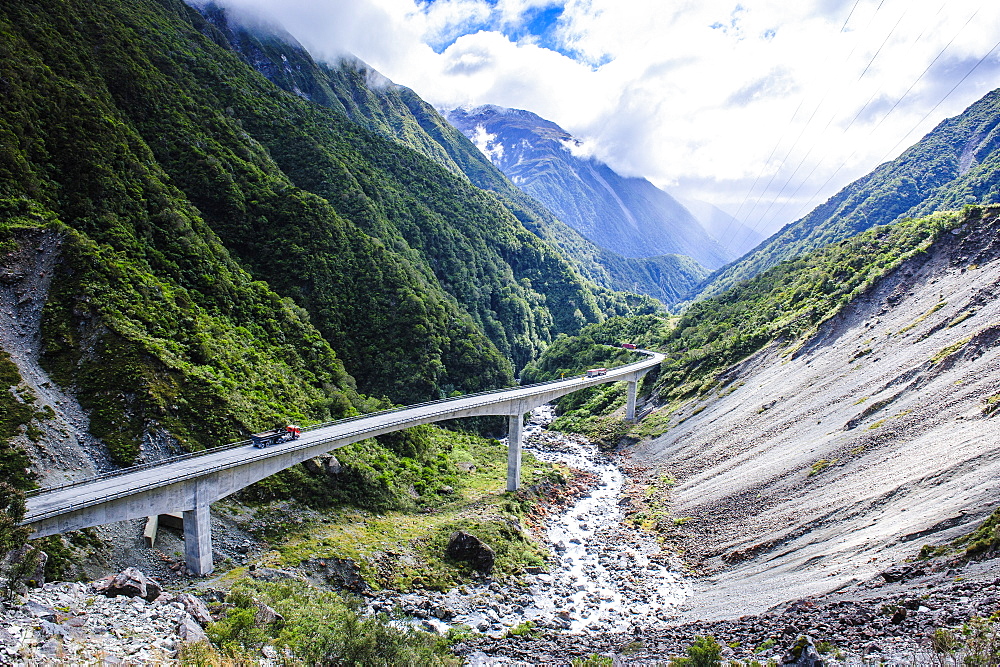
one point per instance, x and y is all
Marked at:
(189, 630)
(903, 571)
(130, 582)
(803, 654)
(333, 466)
(266, 615)
(469, 548)
(194, 606)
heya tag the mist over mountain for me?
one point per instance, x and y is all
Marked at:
(736, 237)
(359, 92)
(629, 216)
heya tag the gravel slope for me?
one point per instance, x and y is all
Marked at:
(911, 458)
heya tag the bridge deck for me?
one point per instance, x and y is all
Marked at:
(127, 493)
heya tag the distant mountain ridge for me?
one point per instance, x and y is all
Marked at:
(370, 100)
(629, 216)
(956, 163)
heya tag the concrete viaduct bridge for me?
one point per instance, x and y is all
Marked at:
(191, 483)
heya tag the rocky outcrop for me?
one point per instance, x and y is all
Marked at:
(130, 582)
(469, 548)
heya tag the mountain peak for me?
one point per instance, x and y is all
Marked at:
(629, 216)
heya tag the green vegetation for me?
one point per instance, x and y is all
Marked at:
(820, 466)
(452, 483)
(13, 536)
(949, 350)
(319, 628)
(786, 303)
(351, 88)
(984, 539)
(597, 345)
(176, 179)
(936, 307)
(704, 652)
(16, 412)
(977, 642)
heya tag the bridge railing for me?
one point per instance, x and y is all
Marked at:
(337, 422)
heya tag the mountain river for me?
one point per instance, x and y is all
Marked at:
(602, 575)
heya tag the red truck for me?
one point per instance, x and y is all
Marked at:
(596, 372)
(278, 435)
(629, 346)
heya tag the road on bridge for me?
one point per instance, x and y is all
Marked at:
(190, 483)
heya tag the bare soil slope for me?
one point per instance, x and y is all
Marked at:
(814, 468)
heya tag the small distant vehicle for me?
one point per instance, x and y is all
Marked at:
(629, 346)
(275, 437)
(596, 372)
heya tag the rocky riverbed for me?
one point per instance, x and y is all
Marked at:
(603, 576)
(889, 620)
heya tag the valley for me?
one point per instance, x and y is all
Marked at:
(207, 231)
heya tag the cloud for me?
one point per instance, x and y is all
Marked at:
(761, 107)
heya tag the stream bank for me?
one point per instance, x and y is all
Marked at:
(603, 576)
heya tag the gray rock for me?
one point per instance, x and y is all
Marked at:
(195, 607)
(32, 608)
(130, 582)
(266, 615)
(803, 654)
(469, 548)
(189, 630)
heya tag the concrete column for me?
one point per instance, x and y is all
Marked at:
(630, 407)
(515, 429)
(198, 540)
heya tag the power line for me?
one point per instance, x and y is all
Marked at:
(896, 104)
(763, 167)
(762, 221)
(791, 177)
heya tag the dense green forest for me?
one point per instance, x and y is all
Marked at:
(231, 254)
(353, 89)
(953, 165)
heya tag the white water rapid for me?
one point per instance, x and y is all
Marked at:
(603, 575)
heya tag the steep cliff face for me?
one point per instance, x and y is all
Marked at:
(629, 216)
(808, 468)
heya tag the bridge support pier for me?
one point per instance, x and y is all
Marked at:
(515, 436)
(198, 540)
(633, 386)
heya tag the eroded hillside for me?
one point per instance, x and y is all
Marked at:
(807, 469)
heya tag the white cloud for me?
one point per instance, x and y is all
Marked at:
(705, 98)
(487, 144)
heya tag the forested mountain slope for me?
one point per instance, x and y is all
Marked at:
(422, 282)
(957, 163)
(205, 241)
(355, 90)
(629, 216)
